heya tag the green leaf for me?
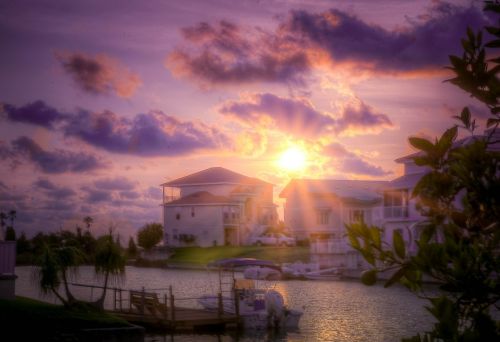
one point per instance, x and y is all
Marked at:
(399, 244)
(492, 122)
(375, 235)
(395, 277)
(493, 44)
(369, 277)
(421, 144)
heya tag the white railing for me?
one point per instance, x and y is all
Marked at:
(329, 247)
(396, 212)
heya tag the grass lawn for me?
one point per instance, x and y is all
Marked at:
(28, 317)
(202, 256)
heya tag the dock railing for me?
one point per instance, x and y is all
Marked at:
(160, 303)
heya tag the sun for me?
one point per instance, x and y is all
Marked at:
(293, 159)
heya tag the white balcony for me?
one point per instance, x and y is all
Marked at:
(395, 212)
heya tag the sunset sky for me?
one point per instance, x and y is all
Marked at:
(102, 101)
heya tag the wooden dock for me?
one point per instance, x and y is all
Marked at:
(145, 308)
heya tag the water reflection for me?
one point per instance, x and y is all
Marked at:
(333, 311)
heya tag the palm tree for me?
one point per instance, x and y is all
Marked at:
(12, 216)
(109, 261)
(55, 268)
(88, 221)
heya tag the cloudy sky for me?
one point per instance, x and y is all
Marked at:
(102, 101)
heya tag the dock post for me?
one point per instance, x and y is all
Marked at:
(121, 300)
(237, 304)
(165, 309)
(143, 301)
(219, 305)
(172, 306)
(114, 299)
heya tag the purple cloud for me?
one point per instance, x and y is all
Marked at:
(99, 74)
(152, 134)
(53, 190)
(58, 161)
(36, 113)
(350, 162)
(117, 183)
(94, 195)
(224, 53)
(300, 118)
(129, 195)
(425, 44)
(153, 193)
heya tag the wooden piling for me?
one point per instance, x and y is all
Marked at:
(219, 305)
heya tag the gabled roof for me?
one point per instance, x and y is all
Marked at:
(200, 197)
(405, 182)
(357, 190)
(214, 175)
(458, 143)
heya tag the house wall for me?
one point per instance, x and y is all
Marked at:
(206, 225)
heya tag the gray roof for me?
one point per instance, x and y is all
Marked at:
(357, 190)
(214, 175)
(406, 181)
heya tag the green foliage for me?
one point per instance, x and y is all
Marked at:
(150, 235)
(10, 234)
(459, 240)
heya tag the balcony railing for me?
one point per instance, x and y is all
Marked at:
(336, 246)
(396, 212)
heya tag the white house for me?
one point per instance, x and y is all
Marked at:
(319, 209)
(216, 207)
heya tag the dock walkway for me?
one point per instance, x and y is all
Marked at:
(145, 308)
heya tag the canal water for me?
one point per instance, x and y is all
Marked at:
(333, 310)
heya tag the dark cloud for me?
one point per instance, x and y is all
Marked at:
(94, 195)
(224, 53)
(99, 74)
(349, 162)
(36, 113)
(53, 190)
(424, 44)
(300, 118)
(359, 116)
(152, 134)
(57, 161)
(117, 183)
(129, 195)
(153, 193)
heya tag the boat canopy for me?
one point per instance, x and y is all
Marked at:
(232, 263)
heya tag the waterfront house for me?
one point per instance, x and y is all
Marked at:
(317, 210)
(216, 207)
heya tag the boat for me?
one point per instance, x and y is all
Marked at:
(333, 273)
(262, 273)
(298, 270)
(257, 308)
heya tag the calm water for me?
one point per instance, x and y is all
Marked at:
(333, 311)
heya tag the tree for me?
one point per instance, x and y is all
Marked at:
(109, 262)
(88, 221)
(459, 240)
(55, 267)
(132, 248)
(10, 234)
(150, 235)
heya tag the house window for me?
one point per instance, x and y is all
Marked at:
(322, 216)
(357, 216)
(192, 211)
(178, 216)
(396, 203)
